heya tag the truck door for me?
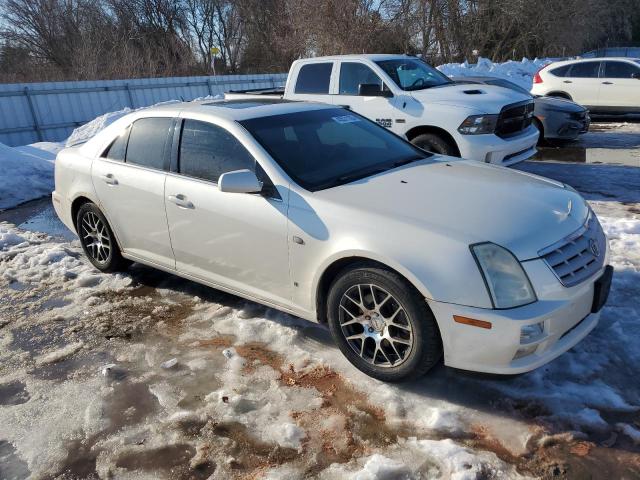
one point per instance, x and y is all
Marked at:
(355, 91)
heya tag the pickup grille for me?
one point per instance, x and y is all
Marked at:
(514, 118)
(580, 255)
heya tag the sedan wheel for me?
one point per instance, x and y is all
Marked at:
(375, 325)
(382, 324)
(97, 239)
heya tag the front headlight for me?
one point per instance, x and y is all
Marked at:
(506, 281)
(478, 124)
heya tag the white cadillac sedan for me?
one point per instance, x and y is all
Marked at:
(319, 212)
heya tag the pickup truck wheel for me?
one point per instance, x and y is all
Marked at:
(382, 324)
(97, 240)
(434, 143)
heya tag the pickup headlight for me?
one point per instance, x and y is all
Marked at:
(506, 281)
(478, 124)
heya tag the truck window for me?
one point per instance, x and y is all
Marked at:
(353, 74)
(207, 151)
(147, 143)
(314, 78)
(413, 74)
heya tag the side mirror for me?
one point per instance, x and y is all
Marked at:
(239, 181)
(373, 90)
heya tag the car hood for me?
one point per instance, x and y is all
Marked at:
(483, 98)
(558, 104)
(470, 202)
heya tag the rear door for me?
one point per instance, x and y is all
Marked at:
(582, 83)
(235, 240)
(620, 85)
(129, 180)
(379, 109)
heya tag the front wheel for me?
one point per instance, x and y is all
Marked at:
(97, 240)
(434, 143)
(382, 324)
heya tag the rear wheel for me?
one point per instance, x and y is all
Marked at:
(382, 324)
(98, 241)
(432, 142)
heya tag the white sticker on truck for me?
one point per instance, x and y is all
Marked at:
(346, 119)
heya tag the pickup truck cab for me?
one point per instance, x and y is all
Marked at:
(414, 100)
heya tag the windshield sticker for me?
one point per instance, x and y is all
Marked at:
(346, 119)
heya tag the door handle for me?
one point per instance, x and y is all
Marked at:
(109, 179)
(607, 83)
(181, 201)
(568, 81)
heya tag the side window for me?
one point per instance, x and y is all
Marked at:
(619, 70)
(560, 71)
(207, 151)
(584, 70)
(118, 148)
(147, 142)
(314, 78)
(353, 74)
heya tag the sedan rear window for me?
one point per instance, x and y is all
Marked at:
(148, 141)
(324, 148)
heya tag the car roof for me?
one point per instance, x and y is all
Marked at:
(374, 57)
(237, 109)
(593, 59)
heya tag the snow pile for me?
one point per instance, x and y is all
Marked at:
(520, 73)
(27, 172)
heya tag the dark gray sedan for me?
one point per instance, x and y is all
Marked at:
(555, 118)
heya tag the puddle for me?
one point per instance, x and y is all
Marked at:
(577, 154)
(36, 338)
(12, 467)
(13, 393)
(38, 216)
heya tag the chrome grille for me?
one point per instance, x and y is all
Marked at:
(580, 255)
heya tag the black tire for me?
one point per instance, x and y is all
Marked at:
(106, 257)
(538, 124)
(432, 142)
(566, 96)
(426, 348)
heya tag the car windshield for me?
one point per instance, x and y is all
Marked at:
(499, 82)
(413, 74)
(328, 147)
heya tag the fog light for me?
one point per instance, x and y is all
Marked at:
(531, 333)
(524, 351)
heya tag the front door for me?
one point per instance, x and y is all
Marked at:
(378, 109)
(620, 85)
(234, 240)
(583, 84)
(129, 180)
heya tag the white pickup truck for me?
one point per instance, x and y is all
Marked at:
(404, 94)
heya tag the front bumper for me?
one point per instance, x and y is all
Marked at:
(500, 151)
(565, 312)
(564, 127)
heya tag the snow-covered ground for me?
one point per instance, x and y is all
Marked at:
(144, 375)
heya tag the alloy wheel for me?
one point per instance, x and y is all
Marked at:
(375, 325)
(95, 237)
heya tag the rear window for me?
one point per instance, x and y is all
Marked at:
(147, 143)
(314, 78)
(118, 148)
(560, 71)
(584, 70)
